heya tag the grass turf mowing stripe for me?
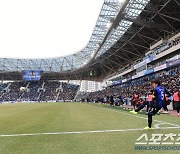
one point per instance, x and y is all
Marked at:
(118, 111)
(83, 132)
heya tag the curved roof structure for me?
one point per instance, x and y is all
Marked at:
(107, 15)
(122, 34)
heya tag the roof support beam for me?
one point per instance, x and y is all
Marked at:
(114, 62)
(132, 52)
(167, 16)
(107, 67)
(167, 22)
(144, 23)
(136, 50)
(123, 58)
(147, 37)
(177, 2)
(139, 45)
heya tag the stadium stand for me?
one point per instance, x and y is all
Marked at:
(161, 62)
(38, 91)
(170, 79)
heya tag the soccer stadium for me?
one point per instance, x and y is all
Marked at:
(119, 94)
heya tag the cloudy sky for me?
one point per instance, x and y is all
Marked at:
(46, 28)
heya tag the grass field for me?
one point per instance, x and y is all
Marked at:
(76, 128)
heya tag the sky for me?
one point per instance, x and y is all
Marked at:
(46, 28)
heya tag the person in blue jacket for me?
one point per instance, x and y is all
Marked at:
(158, 100)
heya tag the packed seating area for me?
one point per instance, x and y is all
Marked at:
(37, 91)
(169, 79)
(50, 93)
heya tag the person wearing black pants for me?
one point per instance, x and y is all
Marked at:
(151, 113)
(148, 104)
(140, 107)
(158, 100)
(145, 103)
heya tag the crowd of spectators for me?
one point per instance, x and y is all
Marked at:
(12, 92)
(170, 79)
(37, 91)
(31, 94)
(49, 91)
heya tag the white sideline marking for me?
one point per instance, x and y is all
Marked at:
(118, 111)
(157, 125)
(82, 132)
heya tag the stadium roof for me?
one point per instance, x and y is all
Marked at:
(133, 26)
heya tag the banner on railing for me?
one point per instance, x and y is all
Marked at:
(149, 71)
(173, 63)
(161, 67)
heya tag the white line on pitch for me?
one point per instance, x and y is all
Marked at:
(118, 111)
(82, 132)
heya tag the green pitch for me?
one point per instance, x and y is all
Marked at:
(78, 128)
